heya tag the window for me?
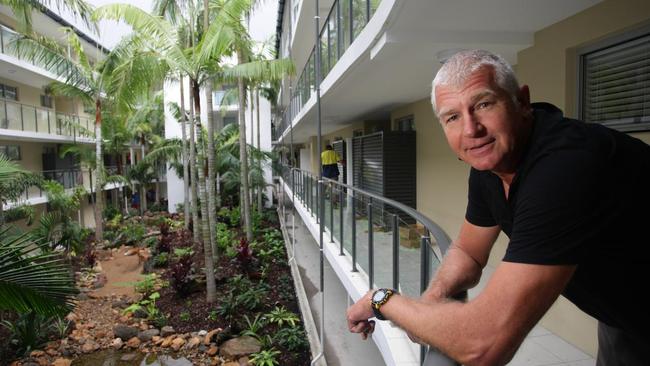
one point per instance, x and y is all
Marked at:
(405, 123)
(8, 92)
(12, 152)
(615, 82)
(47, 101)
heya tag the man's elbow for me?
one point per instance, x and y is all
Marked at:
(487, 354)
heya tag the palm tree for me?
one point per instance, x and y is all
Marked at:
(13, 183)
(193, 59)
(92, 84)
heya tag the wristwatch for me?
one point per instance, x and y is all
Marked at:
(379, 298)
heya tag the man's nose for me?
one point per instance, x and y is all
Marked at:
(471, 125)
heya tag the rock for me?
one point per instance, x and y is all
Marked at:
(72, 317)
(133, 342)
(62, 362)
(124, 332)
(193, 342)
(166, 331)
(117, 343)
(237, 347)
(89, 346)
(157, 340)
(147, 335)
(43, 361)
(202, 333)
(212, 351)
(36, 354)
(177, 344)
(202, 348)
(244, 361)
(167, 342)
(90, 325)
(82, 296)
(128, 357)
(52, 352)
(208, 337)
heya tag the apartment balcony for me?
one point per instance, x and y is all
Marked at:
(26, 122)
(68, 178)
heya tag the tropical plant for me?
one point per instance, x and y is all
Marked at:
(22, 9)
(265, 357)
(13, 183)
(32, 279)
(254, 327)
(28, 332)
(292, 338)
(280, 315)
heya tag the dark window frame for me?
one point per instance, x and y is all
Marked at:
(609, 44)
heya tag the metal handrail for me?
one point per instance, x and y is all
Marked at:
(43, 120)
(442, 239)
(303, 189)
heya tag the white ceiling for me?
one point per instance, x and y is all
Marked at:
(398, 68)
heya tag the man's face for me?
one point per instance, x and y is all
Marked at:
(482, 123)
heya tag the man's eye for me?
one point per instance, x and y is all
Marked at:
(451, 118)
(482, 105)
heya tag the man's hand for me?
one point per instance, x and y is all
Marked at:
(359, 316)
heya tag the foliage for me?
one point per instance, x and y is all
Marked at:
(28, 332)
(212, 315)
(253, 297)
(225, 236)
(90, 257)
(14, 181)
(280, 316)
(244, 253)
(183, 252)
(228, 307)
(149, 306)
(265, 358)
(161, 260)
(292, 338)
(253, 327)
(184, 316)
(110, 212)
(148, 284)
(61, 327)
(31, 279)
(180, 273)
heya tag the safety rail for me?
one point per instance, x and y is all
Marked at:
(343, 24)
(392, 244)
(68, 178)
(23, 117)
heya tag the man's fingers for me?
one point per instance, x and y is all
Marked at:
(359, 327)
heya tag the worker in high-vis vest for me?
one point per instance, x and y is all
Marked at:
(329, 159)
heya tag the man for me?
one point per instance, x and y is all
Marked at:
(572, 198)
(329, 159)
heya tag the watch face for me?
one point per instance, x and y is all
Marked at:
(378, 296)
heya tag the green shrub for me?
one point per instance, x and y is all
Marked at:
(265, 358)
(161, 260)
(280, 316)
(292, 338)
(28, 332)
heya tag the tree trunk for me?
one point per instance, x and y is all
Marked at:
(211, 286)
(196, 225)
(259, 147)
(212, 209)
(243, 156)
(99, 161)
(205, 226)
(143, 186)
(186, 175)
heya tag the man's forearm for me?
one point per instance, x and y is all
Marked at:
(458, 272)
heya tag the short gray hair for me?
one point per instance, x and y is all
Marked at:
(461, 65)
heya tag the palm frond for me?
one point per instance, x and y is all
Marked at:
(260, 70)
(71, 91)
(31, 279)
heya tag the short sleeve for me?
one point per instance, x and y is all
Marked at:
(478, 211)
(557, 212)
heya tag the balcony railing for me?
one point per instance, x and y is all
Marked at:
(22, 117)
(392, 244)
(68, 178)
(346, 19)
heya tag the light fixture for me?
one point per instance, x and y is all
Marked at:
(444, 55)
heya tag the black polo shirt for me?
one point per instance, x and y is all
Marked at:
(581, 195)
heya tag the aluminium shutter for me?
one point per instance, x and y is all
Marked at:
(616, 85)
(339, 147)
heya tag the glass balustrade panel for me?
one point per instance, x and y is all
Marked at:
(42, 120)
(14, 121)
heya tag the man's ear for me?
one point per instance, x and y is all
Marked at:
(524, 97)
